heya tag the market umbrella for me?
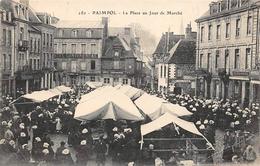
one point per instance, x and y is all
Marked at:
(155, 107)
(115, 105)
(63, 88)
(97, 92)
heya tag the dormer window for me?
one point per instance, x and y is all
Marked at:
(116, 53)
(17, 10)
(74, 33)
(238, 3)
(228, 4)
(88, 33)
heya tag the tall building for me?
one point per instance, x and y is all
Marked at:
(175, 62)
(122, 58)
(24, 55)
(78, 50)
(227, 58)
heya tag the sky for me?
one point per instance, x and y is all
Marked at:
(156, 24)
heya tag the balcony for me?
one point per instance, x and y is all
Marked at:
(76, 56)
(23, 45)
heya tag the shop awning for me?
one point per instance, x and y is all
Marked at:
(63, 88)
(239, 78)
(155, 107)
(255, 82)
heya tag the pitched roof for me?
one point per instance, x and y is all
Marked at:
(184, 52)
(33, 17)
(173, 39)
(33, 29)
(78, 24)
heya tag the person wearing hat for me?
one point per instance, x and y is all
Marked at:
(82, 153)
(23, 138)
(59, 150)
(37, 148)
(101, 149)
(24, 154)
(65, 158)
(173, 160)
(9, 135)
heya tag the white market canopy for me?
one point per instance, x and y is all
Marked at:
(166, 119)
(94, 85)
(64, 88)
(97, 92)
(131, 91)
(155, 107)
(116, 106)
(40, 96)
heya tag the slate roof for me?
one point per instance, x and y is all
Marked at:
(173, 39)
(78, 24)
(184, 52)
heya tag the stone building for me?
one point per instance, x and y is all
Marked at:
(121, 59)
(227, 58)
(175, 62)
(78, 50)
(23, 54)
(7, 51)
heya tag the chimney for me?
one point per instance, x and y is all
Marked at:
(25, 2)
(127, 30)
(105, 23)
(137, 40)
(188, 31)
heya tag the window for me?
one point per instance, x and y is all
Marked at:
(125, 81)
(116, 79)
(238, 3)
(5, 64)
(51, 38)
(38, 63)
(9, 37)
(10, 61)
(4, 37)
(44, 41)
(35, 45)
(73, 48)
(61, 32)
(47, 40)
(73, 66)
(227, 30)
(209, 61)
(34, 64)
(83, 48)
(201, 34)
(93, 48)
(106, 80)
(74, 33)
(249, 25)
(164, 71)
(228, 4)
(201, 60)
(226, 63)
(21, 33)
(39, 47)
(116, 53)
(236, 65)
(83, 65)
(209, 32)
(161, 71)
(218, 32)
(64, 48)
(92, 78)
(64, 65)
(116, 65)
(55, 48)
(217, 59)
(237, 27)
(88, 33)
(93, 65)
(248, 58)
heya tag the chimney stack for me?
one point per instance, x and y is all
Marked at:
(188, 31)
(105, 23)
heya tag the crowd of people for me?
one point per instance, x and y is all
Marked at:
(25, 131)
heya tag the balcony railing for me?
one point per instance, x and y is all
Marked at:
(23, 45)
(82, 56)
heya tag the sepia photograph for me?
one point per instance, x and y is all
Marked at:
(129, 82)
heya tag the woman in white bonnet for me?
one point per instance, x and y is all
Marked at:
(58, 125)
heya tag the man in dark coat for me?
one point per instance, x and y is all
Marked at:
(101, 151)
(82, 153)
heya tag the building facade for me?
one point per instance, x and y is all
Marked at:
(175, 67)
(23, 54)
(227, 56)
(78, 50)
